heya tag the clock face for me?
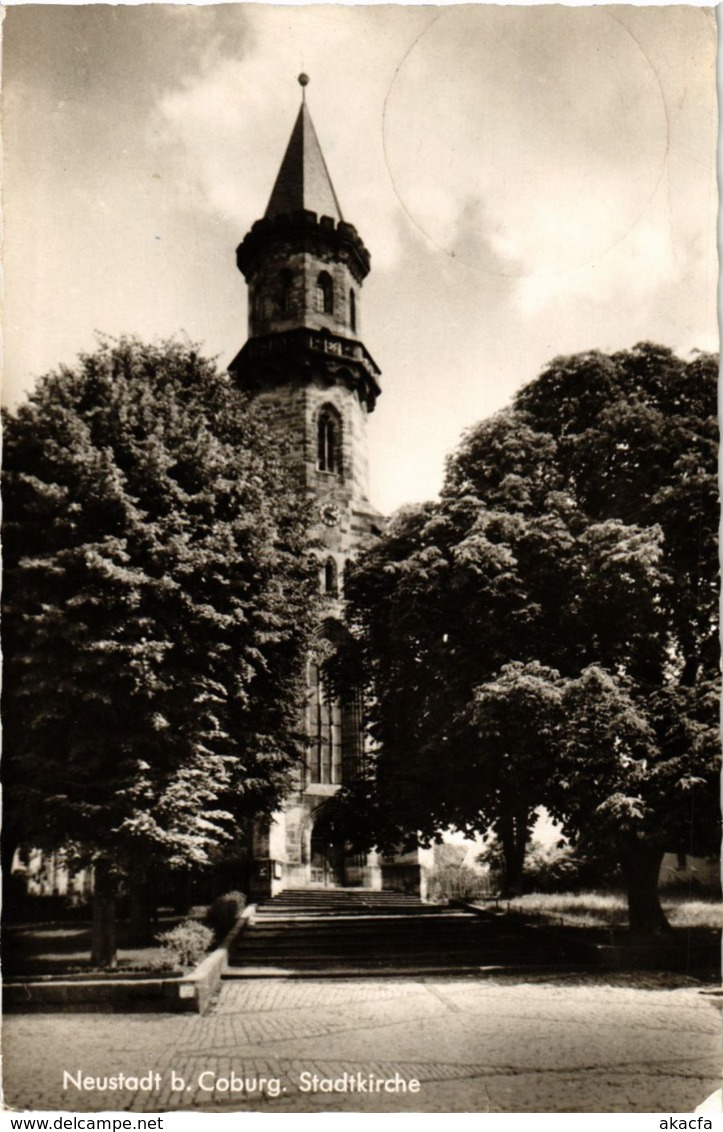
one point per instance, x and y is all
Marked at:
(329, 514)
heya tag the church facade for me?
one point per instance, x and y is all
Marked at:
(304, 267)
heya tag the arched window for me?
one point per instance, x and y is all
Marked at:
(286, 283)
(331, 578)
(324, 730)
(324, 294)
(352, 310)
(329, 441)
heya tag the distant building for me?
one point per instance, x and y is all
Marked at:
(679, 870)
(305, 267)
(48, 874)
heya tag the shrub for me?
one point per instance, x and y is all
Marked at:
(189, 941)
(224, 912)
(563, 867)
(457, 882)
(163, 961)
(550, 868)
(556, 867)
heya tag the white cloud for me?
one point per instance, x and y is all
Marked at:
(141, 142)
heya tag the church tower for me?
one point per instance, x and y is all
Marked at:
(305, 266)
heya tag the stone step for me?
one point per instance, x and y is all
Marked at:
(364, 970)
(372, 945)
(346, 931)
(407, 922)
(404, 963)
(346, 897)
(322, 914)
(268, 934)
(357, 931)
(334, 957)
(268, 938)
(347, 891)
(352, 908)
(343, 910)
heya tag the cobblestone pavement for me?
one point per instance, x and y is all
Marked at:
(474, 1045)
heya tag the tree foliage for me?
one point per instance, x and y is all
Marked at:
(546, 633)
(159, 601)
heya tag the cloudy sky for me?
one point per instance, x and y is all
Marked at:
(530, 181)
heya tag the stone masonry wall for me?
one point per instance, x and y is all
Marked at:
(302, 271)
(296, 408)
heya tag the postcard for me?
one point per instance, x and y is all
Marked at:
(361, 670)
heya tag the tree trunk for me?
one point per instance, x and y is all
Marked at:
(513, 829)
(641, 868)
(103, 947)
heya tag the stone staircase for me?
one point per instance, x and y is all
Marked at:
(347, 932)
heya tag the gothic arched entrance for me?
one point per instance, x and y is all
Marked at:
(327, 851)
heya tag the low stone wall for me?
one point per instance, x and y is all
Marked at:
(181, 994)
(99, 995)
(409, 878)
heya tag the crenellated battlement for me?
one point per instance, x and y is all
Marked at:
(303, 231)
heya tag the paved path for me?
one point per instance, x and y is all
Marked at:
(481, 1045)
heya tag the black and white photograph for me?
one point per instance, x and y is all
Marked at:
(360, 593)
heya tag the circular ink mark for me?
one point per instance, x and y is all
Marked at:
(525, 141)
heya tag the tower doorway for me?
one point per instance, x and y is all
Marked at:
(327, 853)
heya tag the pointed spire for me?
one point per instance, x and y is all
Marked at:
(303, 181)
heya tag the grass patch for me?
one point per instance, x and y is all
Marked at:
(685, 913)
(64, 949)
(610, 909)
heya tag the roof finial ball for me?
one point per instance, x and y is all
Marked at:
(303, 83)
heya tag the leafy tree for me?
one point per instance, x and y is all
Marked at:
(632, 437)
(576, 532)
(451, 611)
(555, 866)
(158, 608)
(516, 719)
